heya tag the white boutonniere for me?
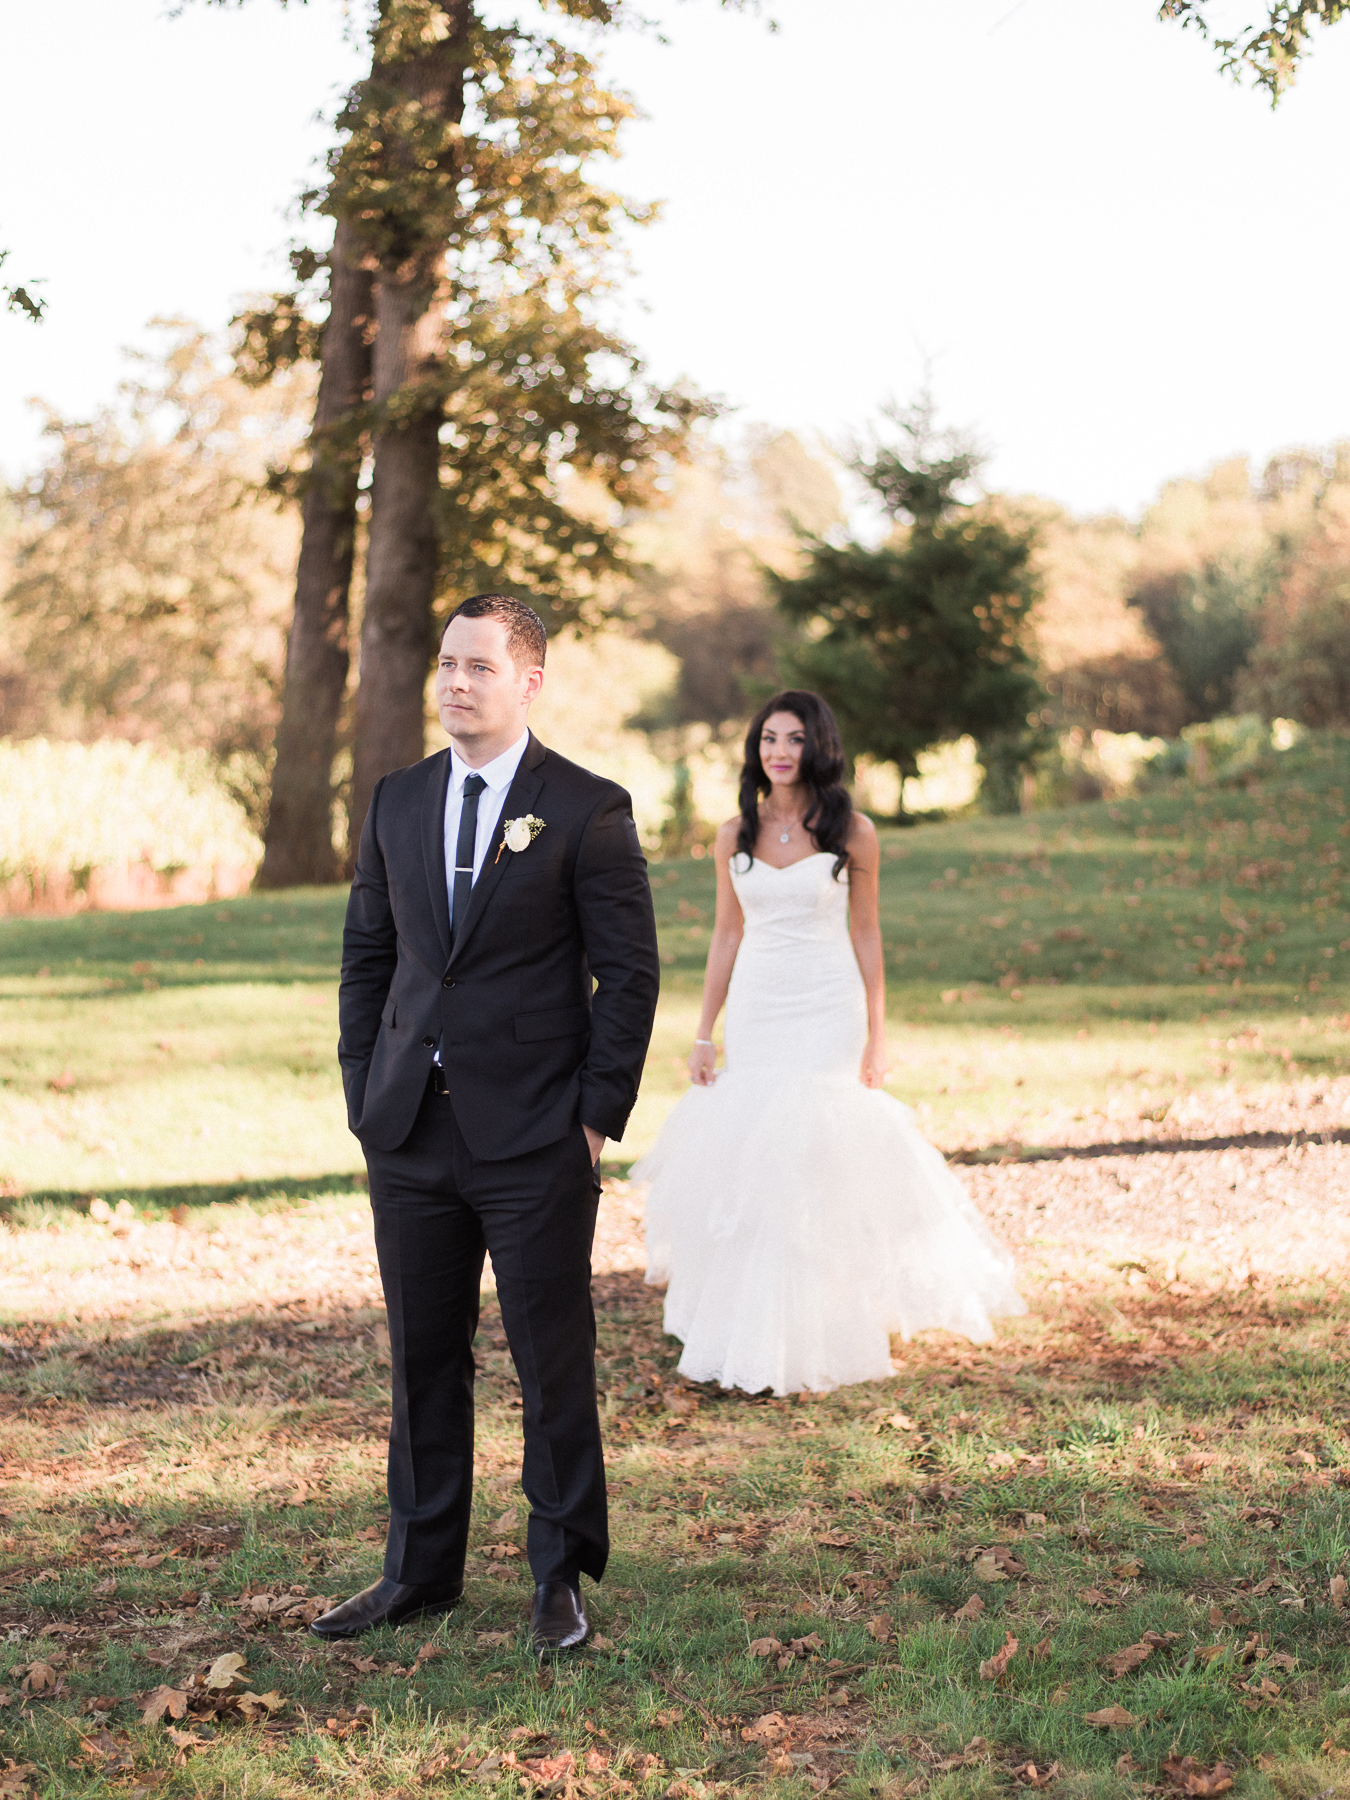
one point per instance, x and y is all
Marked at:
(519, 834)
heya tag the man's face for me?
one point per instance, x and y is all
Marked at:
(481, 696)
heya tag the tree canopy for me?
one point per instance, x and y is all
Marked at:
(151, 569)
(922, 638)
(1269, 51)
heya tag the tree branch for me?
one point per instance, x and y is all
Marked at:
(1269, 53)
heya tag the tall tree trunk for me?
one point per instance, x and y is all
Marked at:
(401, 558)
(401, 554)
(298, 842)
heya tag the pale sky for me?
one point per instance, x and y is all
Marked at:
(1120, 266)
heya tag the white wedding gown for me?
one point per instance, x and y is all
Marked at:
(799, 1217)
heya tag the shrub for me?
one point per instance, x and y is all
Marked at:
(80, 818)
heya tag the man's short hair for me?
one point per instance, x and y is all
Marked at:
(526, 638)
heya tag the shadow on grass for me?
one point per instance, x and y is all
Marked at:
(1245, 1140)
(282, 1189)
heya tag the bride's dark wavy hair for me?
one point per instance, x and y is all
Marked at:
(830, 813)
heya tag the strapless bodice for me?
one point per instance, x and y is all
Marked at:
(799, 904)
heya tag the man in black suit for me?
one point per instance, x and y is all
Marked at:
(496, 883)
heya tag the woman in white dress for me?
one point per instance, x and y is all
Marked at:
(797, 1213)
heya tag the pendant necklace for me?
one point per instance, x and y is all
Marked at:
(785, 835)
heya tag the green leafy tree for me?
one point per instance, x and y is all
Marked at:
(1208, 622)
(464, 186)
(151, 568)
(1301, 667)
(922, 639)
(1268, 51)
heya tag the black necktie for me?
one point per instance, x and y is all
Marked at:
(468, 833)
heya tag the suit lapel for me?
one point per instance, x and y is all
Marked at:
(520, 798)
(433, 848)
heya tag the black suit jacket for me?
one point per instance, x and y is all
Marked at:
(529, 1050)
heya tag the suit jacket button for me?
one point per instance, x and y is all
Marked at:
(447, 982)
(428, 1043)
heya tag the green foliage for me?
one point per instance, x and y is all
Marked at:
(1269, 52)
(919, 480)
(1208, 623)
(20, 299)
(151, 577)
(921, 639)
(531, 388)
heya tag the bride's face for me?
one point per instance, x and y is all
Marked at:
(781, 745)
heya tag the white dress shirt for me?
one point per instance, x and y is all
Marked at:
(498, 774)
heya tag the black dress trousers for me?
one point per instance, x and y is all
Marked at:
(437, 1209)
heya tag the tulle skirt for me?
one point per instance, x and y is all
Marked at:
(801, 1220)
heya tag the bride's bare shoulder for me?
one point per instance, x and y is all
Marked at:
(725, 845)
(863, 844)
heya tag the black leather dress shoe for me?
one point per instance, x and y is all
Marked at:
(557, 1621)
(386, 1603)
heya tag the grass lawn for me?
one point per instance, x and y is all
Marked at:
(1141, 1482)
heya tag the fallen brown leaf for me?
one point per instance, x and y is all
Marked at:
(161, 1701)
(765, 1646)
(836, 1540)
(344, 1724)
(1261, 1692)
(996, 1666)
(1039, 1779)
(260, 1706)
(767, 1729)
(666, 1719)
(1114, 1718)
(882, 1628)
(186, 1740)
(971, 1610)
(225, 1672)
(1191, 1777)
(1127, 1569)
(1095, 1597)
(985, 1568)
(1123, 1662)
(111, 1753)
(41, 1678)
(1338, 1592)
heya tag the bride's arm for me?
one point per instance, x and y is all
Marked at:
(728, 928)
(864, 928)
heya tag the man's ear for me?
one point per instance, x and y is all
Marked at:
(534, 682)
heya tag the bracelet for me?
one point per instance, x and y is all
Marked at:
(707, 1043)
